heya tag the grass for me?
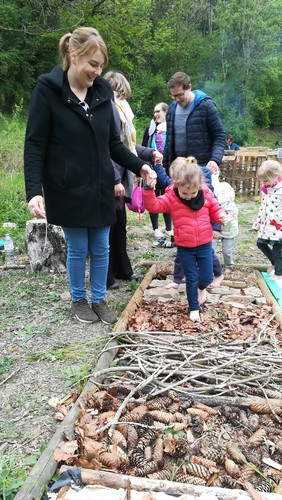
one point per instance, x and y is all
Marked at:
(12, 476)
(84, 351)
(5, 364)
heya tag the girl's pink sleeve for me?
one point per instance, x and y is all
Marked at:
(156, 204)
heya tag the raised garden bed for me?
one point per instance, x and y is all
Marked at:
(203, 403)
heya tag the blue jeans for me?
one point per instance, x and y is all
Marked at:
(80, 242)
(197, 266)
(178, 270)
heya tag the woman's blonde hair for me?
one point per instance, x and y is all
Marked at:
(186, 172)
(119, 84)
(83, 40)
(269, 170)
(164, 106)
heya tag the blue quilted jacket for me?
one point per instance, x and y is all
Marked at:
(205, 135)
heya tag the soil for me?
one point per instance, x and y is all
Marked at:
(44, 350)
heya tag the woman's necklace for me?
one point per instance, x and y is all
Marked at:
(80, 93)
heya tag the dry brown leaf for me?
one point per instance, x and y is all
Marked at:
(66, 451)
(53, 402)
(169, 444)
(152, 316)
(190, 436)
(62, 492)
(90, 430)
(148, 496)
(60, 416)
(92, 449)
(88, 464)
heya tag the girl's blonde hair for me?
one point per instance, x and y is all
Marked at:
(83, 40)
(269, 170)
(186, 172)
(119, 84)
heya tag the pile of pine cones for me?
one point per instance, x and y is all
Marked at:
(165, 437)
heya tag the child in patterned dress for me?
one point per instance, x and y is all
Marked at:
(268, 223)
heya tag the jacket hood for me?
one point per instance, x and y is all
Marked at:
(55, 80)
(199, 96)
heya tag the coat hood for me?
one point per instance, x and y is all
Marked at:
(199, 96)
(55, 80)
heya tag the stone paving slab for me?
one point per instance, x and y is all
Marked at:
(236, 292)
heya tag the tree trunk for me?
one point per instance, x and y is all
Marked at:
(46, 246)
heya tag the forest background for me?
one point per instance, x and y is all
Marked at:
(232, 50)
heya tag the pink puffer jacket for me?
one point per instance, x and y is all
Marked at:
(191, 227)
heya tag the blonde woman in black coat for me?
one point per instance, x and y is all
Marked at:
(70, 140)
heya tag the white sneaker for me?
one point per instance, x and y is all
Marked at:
(169, 233)
(158, 233)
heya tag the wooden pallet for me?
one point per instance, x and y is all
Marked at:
(239, 168)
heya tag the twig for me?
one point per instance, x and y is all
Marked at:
(269, 404)
(114, 421)
(20, 418)
(9, 376)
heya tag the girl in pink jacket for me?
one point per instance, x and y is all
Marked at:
(192, 206)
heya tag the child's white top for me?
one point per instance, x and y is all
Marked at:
(226, 198)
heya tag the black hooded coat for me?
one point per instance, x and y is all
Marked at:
(68, 151)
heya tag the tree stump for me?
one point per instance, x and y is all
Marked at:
(46, 246)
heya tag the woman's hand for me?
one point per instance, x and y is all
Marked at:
(36, 207)
(157, 157)
(119, 190)
(148, 175)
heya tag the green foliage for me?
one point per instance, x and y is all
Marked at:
(249, 48)
(5, 363)
(83, 351)
(12, 476)
(12, 129)
(133, 285)
(119, 307)
(76, 375)
(147, 90)
(31, 330)
(13, 202)
(228, 51)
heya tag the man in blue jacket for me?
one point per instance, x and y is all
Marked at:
(194, 127)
